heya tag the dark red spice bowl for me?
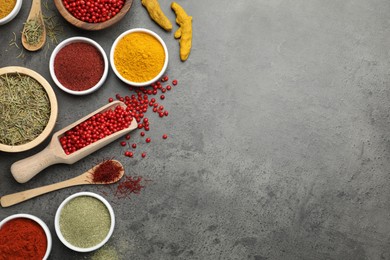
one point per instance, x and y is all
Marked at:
(24, 236)
(92, 18)
(78, 66)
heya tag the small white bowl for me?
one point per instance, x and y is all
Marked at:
(74, 40)
(138, 84)
(13, 13)
(40, 222)
(57, 222)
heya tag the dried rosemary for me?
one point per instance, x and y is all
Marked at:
(33, 30)
(24, 109)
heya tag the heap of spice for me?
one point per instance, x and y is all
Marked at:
(84, 221)
(105, 253)
(22, 238)
(6, 7)
(33, 30)
(22, 120)
(79, 66)
(95, 128)
(139, 57)
(107, 172)
(93, 11)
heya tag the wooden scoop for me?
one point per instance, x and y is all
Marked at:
(27, 168)
(35, 12)
(83, 179)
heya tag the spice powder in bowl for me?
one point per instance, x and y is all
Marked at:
(79, 66)
(84, 221)
(139, 57)
(9, 9)
(24, 236)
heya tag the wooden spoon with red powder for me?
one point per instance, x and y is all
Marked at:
(107, 172)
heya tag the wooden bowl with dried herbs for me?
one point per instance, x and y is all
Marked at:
(28, 108)
(93, 16)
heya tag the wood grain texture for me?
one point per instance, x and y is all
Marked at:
(92, 26)
(35, 11)
(84, 179)
(27, 168)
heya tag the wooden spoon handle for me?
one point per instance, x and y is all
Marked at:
(27, 168)
(15, 198)
(35, 7)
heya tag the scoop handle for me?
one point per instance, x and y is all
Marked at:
(15, 198)
(27, 168)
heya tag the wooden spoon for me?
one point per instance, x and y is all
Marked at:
(83, 179)
(35, 12)
(27, 168)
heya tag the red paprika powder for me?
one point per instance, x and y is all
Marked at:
(21, 239)
(79, 66)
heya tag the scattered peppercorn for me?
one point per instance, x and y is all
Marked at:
(140, 101)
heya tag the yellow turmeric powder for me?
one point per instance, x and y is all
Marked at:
(157, 15)
(184, 33)
(139, 57)
(6, 7)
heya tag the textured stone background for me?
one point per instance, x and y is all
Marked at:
(279, 141)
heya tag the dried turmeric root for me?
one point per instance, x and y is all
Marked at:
(184, 33)
(157, 15)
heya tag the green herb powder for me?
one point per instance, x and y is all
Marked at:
(85, 221)
(24, 109)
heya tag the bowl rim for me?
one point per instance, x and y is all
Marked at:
(9, 17)
(37, 220)
(74, 40)
(57, 221)
(139, 84)
(92, 26)
(53, 109)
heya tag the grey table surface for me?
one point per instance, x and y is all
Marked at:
(279, 141)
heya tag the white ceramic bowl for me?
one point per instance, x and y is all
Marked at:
(74, 40)
(12, 14)
(57, 221)
(40, 222)
(138, 84)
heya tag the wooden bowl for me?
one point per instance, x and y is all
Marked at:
(92, 26)
(53, 109)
